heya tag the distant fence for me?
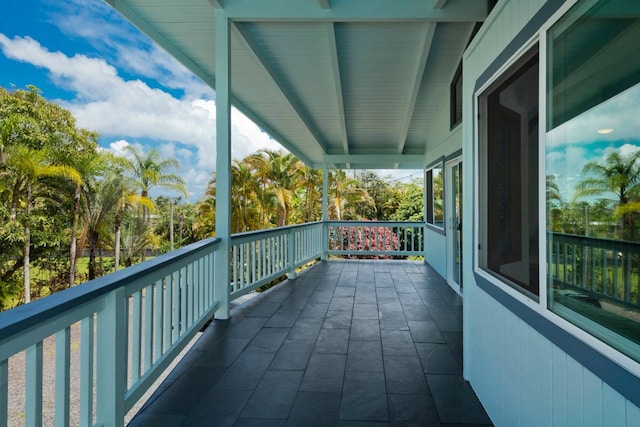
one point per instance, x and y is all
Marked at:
(605, 267)
(375, 238)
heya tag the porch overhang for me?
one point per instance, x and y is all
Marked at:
(328, 79)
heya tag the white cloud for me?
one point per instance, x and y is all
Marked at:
(619, 113)
(121, 44)
(130, 109)
(117, 147)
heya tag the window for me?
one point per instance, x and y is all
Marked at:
(456, 97)
(593, 171)
(508, 176)
(435, 196)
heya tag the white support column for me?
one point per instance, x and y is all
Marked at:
(424, 217)
(325, 209)
(291, 254)
(223, 163)
(111, 360)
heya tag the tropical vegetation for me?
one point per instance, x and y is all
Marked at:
(71, 212)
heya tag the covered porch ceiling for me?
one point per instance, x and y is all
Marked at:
(349, 83)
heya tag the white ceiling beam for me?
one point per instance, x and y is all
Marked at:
(439, 4)
(354, 11)
(123, 8)
(406, 160)
(427, 40)
(260, 58)
(325, 4)
(335, 65)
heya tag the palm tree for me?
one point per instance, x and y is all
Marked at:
(619, 175)
(278, 174)
(344, 195)
(206, 211)
(311, 193)
(150, 171)
(28, 166)
(89, 163)
(243, 198)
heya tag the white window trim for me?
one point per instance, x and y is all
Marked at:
(541, 306)
(429, 192)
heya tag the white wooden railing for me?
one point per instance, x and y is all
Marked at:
(119, 333)
(130, 325)
(260, 257)
(376, 238)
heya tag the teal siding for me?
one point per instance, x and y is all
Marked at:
(521, 377)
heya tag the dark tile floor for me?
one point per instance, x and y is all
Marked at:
(349, 343)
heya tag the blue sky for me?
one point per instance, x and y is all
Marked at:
(86, 57)
(580, 140)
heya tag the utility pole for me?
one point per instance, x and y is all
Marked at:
(170, 224)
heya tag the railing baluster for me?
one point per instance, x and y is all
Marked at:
(241, 266)
(605, 273)
(33, 385)
(190, 288)
(234, 267)
(615, 269)
(260, 259)
(112, 360)
(4, 392)
(184, 297)
(627, 281)
(585, 263)
(87, 344)
(136, 358)
(201, 287)
(593, 269)
(175, 303)
(63, 368)
(158, 320)
(168, 310)
(148, 327)
(574, 265)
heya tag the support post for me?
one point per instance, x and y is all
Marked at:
(223, 163)
(325, 209)
(111, 362)
(291, 254)
(424, 217)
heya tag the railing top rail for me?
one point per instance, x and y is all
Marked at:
(597, 241)
(380, 223)
(20, 318)
(274, 230)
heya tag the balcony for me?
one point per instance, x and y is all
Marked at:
(367, 340)
(346, 341)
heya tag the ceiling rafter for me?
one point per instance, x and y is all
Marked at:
(325, 4)
(335, 65)
(261, 59)
(407, 161)
(427, 40)
(439, 4)
(137, 20)
(218, 4)
(353, 11)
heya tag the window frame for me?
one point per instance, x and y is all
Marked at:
(455, 96)
(429, 200)
(540, 305)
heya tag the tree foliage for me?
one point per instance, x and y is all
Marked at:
(62, 198)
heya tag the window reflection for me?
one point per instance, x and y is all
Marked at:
(593, 171)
